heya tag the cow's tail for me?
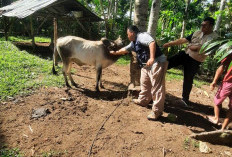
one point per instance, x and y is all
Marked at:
(55, 59)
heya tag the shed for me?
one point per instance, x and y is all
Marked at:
(50, 9)
(43, 8)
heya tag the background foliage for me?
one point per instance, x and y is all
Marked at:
(116, 16)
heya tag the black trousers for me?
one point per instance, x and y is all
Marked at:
(191, 67)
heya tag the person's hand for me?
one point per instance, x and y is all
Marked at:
(166, 45)
(113, 52)
(212, 85)
(150, 61)
(194, 47)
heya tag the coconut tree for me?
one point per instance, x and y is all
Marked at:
(185, 18)
(140, 20)
(154, 16)
(140, 14)
(219, 18)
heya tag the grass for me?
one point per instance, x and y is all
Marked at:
(21, 72)
(124, 60)
(26, 39)
(15, 152)
(176, 74)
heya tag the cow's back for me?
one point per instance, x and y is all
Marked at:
(80, 50)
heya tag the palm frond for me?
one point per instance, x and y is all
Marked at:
(221, 48)
(211, 46)
(225, 55)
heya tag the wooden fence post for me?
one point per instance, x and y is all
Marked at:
(32, 34)
(55, 40)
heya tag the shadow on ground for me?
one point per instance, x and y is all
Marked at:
(106, 94)
(193, 116)
(42, 50)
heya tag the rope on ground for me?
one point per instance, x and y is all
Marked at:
(107, 118)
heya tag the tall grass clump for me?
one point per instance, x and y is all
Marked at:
(20, 72)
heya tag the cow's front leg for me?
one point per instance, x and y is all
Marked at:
(98, 77)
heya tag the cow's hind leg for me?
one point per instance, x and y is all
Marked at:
(70, 76)
(100, 81)
(55, 62)
(66, 70)
(98, 77)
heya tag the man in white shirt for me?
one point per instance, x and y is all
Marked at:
(190, 59)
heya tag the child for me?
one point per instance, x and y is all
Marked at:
(224, 91)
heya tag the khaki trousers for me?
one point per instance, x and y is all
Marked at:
(152, 82)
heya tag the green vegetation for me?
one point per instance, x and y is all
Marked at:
(176, 74)
(190, 144)
(124, 60)
(20, 72)
(15, 152)
(53, 153)
(186, 144)
(26, 39)
(195, 143)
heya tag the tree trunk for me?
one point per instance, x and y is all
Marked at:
(185, 18)
(129, 22)
(140, 20)
(215, 137)
(140, 14)
(219, 18)
(154, 17)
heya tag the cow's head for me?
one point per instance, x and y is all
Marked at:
(113, 45)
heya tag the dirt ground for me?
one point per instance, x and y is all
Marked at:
(77, 114)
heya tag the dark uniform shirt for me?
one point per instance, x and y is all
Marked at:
(141, 47)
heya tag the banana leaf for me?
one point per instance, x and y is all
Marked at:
(225, 55)
(212, 46)
(223, 49)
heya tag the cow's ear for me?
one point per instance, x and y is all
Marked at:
(106, 42)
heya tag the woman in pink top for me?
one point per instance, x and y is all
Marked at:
(224, 91)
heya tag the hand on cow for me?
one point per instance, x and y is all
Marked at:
(150, 62)
(113, 52)
(212, 85)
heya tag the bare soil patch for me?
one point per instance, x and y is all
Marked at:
(75, 120)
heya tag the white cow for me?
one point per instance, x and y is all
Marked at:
(81, 51)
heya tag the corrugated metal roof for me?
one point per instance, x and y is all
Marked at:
(58, 8)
